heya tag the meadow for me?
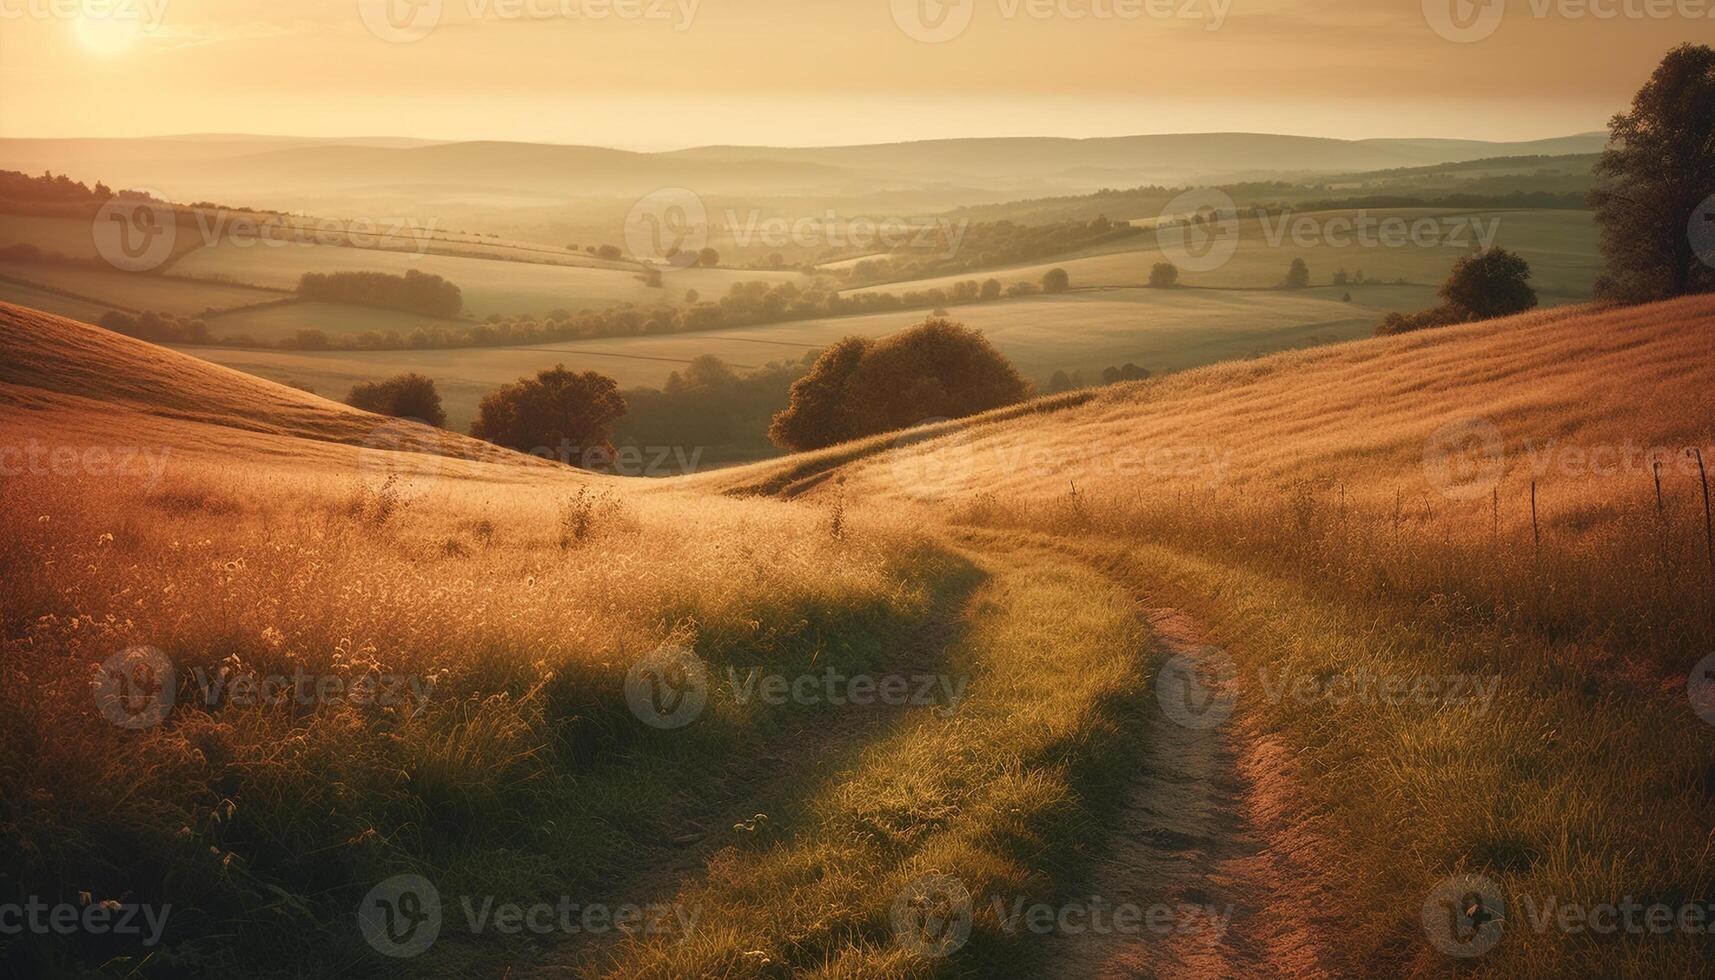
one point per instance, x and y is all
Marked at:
(1560, 246)
(491, 286)
(1319, 514)
(1162, 330)
(134, 291)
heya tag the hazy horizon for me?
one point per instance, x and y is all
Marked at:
(682, 73)
(675, 147)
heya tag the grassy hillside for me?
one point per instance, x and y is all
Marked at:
(1312, 517)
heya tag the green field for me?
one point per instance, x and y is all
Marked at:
(41, 299)
(138, 291)
(1561, 247)
(490, 286)
(1163, 330)
(70, 237)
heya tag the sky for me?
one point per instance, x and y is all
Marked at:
(673, 73)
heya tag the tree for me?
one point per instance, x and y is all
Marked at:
(1059, 382)
(1164, 275)
(1056, 281)
(405, 396)
(1481, 286)
(1487, 284)
(558, 410)
(1655, 176)
(991, 289)
(860, 387)
(708, 258)
(1298, 276)
(1126, 372)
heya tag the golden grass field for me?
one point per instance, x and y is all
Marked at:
(1308, 516)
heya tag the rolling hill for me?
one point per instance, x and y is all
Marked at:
(1449, 620)
(286, 173)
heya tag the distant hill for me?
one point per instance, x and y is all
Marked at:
(288, 172)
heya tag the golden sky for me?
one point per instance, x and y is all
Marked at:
(669, 73)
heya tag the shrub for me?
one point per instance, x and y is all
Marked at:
(406, 396)
(1482, 285)
(413, 292)
(861, 387)
(561, 411)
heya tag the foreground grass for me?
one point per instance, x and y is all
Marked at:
(1580, 783)
(1003, 796)
(513, 768)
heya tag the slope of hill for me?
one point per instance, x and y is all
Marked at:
(59, 376)
(1444, 622)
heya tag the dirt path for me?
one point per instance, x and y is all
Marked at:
(1207, 831)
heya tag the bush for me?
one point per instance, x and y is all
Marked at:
(1482, 286)
(1164, 275)
(413, 292)
(405, 396)
(1056, 281)
(559, 411)
(861, 387)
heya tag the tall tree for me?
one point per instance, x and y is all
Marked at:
(1656, 179)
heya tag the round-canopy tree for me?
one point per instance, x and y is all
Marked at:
(861, 387)
(566, 414)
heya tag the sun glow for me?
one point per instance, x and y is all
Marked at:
(107, 35)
